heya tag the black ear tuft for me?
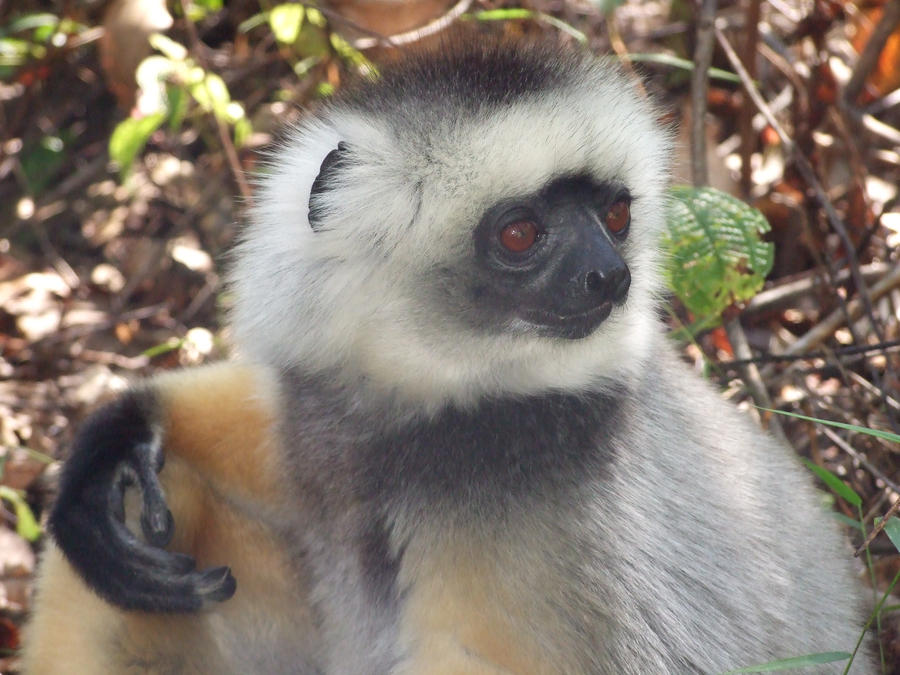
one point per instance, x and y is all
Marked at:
(330, 167)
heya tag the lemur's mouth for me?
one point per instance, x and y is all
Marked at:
(569, 326)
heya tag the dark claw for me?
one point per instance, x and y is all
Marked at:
(157, 523)
(116, 448)
(217, 584)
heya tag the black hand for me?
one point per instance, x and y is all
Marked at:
(118, 447)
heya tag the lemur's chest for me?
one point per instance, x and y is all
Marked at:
(451, 601)
(473, 606)
(435, 545)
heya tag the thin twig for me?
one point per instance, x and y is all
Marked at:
(745, 119)
(787, 293)
(416, 34)
(859, 457)
(234, 161)
(73, 332)
(891, 512)
(809, 175)
(700, 89)
(872, 389)
(751, 376)
(850, 350)
(827, 326)
(700, 175)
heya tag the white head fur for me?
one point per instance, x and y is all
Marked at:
(350, 298)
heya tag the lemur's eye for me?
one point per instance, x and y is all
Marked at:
(519, 236)
(618, 217)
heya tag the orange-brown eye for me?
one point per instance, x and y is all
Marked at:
(618, 217)
(520, 236)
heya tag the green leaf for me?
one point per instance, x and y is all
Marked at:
(169, 345)
(29, 22)
(254, 21)
(26, 525)
(315, 17)
(13, 51)
(303, 66)
(846, 520)
(503, 14)
(892, 530)
(350, 54)
(683, 64)
(886, 435)
(41, 162)
(563, 27)
(129, 138)
(715, 255)
(176, 100)
(517, 13)
(795, 662)
(313, 41)
(211, 93)
(197, 10)
(836, 484)
(606, 6)
(242, 131)
(173, 50)
(286, 21)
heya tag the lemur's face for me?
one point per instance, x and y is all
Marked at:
(481, 214)
(550, 263)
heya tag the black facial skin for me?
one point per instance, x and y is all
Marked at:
(566, 283)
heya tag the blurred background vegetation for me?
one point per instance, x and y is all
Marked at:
(130, 131)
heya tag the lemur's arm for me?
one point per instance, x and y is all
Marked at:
(181, 438)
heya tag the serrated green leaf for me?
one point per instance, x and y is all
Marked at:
(794, 662)
(129, 138)
(715, 255)
(286, 21)
(836, 484)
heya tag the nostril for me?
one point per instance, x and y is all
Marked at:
(622, 283)
(593, 281)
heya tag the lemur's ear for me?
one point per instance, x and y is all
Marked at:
(331, 166)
